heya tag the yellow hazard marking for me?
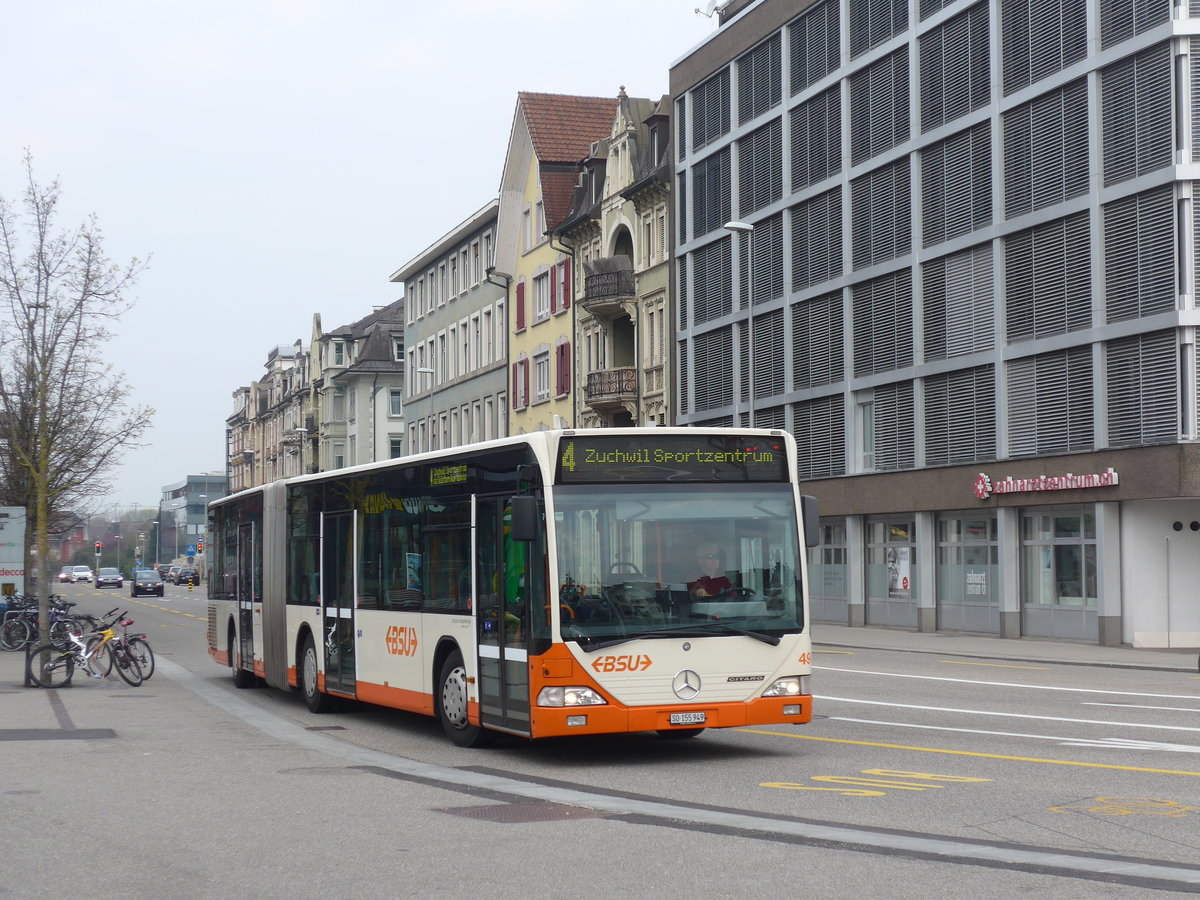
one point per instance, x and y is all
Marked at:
(1032, 759)
(878, 786)
(1128, 806)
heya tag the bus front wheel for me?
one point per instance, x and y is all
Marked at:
(317, 702)
(452, 705)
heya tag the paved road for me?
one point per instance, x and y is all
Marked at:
(943, 774)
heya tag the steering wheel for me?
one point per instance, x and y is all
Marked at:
(624, 567)
(738, 593)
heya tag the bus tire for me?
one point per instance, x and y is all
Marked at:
(451, 699)
(309, 685)
(241, 678)
(678, 734)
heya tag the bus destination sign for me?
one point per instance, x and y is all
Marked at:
(605, 459)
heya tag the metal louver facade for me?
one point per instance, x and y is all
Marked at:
(974, 248)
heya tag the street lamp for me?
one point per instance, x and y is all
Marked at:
(433, 413)
(157, 543)
(303, 432)
(747, 229)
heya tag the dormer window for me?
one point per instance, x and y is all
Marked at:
(339, 353)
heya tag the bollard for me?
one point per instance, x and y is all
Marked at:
(29, 664)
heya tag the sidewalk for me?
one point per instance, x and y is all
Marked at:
(987, 647)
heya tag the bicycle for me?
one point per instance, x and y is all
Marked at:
(53, 667)
(20, 625)
(137, 646)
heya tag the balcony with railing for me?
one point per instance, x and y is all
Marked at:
(607, 283)
(611, 388)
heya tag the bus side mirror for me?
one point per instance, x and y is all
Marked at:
(812, 521)
(524, 518)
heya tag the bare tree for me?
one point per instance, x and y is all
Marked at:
(64, 414)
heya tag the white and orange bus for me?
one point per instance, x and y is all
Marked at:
(538, 585)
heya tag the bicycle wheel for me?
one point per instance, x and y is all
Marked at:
(127, 665)
(61, 630)
(144, 655)
(15, 634)
(50, 667)
(99, 660)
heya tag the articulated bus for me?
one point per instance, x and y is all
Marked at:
(540, 585)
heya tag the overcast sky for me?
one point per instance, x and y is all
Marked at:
(280, 159)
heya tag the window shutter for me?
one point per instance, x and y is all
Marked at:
(520, 306)
(566, 284)
(525, 383)
(516, 394)
(553, 289)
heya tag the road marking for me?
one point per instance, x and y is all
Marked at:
(1136, 706)
(1111, 743)
(169, 609)
(1129, 806)
(1004, 715)
(838, 652)
(1029, 687)
(959, 662)
(1100, 867)
(972, 753)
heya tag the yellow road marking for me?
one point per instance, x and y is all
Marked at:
(1033, 759)
(959, 662)
(177, 612)
(841, 652)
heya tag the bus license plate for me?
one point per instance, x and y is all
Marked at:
(687, 718)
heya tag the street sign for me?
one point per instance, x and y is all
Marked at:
(191, 550)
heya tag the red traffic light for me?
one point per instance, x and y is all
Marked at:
(200, 545)
(97, 548)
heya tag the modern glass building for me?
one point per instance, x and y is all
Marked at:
(952, 246)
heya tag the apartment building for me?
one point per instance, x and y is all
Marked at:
(261, 435)
(618, 232)
(355, 405)
(951, 245)
(550, 134)
(456, 385)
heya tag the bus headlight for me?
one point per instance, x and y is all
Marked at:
(569, 696)
(792, 686)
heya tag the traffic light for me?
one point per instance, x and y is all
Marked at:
(200, 545)
(97, 548)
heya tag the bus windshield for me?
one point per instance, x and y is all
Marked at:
(670, 560)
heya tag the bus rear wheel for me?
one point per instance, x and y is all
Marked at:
(241, 678)
(317, 702)
(452, 705)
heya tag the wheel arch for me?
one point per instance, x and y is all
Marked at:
(445, 647)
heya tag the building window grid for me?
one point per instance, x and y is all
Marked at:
(723, 193)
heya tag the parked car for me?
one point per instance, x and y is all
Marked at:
(171, 573)
(81, 574)
(187, 575)
(146, 581)
(109, 577)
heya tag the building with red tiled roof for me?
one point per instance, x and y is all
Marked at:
(550, 134)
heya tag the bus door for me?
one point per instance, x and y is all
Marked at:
(502, 615)
(338, 590)
(247, 594)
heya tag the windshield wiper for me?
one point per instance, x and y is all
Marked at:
(590, 645)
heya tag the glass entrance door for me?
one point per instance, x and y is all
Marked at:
(248, 593)
(338, 590)
(503, 616)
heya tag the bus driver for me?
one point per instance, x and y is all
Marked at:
(712, 580)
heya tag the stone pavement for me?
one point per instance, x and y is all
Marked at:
(985, 647)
